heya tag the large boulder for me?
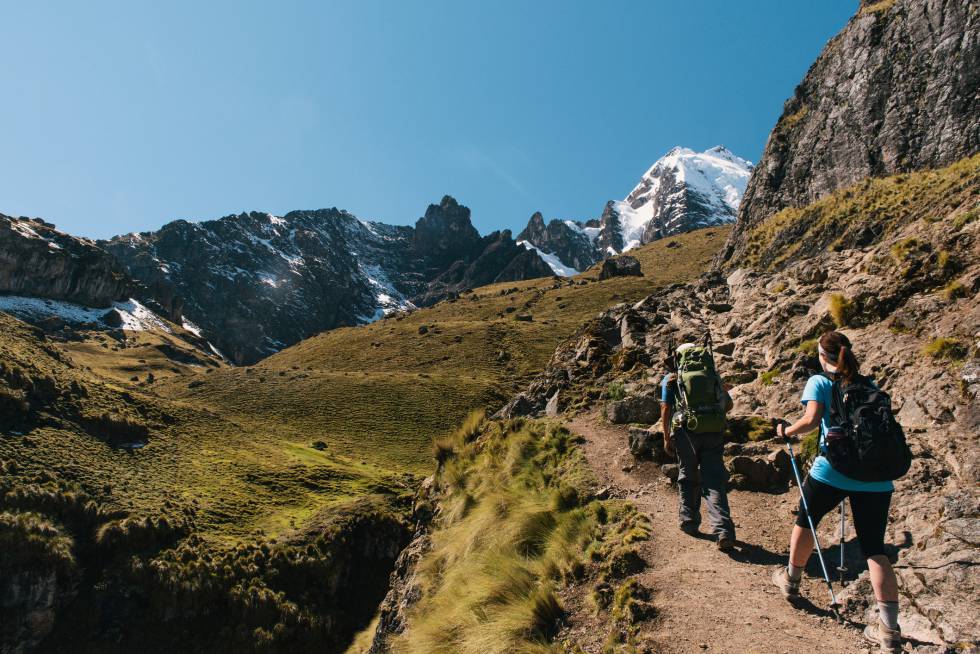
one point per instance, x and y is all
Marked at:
(622, 266)
(643, 408)
(648, 444)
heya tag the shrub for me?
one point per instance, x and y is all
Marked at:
(769, 377)
(807, 347)
(953, 291)
(965, 218)
(615, 391)
(942, 348)
(841, 309)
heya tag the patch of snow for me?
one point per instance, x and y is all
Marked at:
(189, 326)
(22, 228)
(134, 316)
(553, 262)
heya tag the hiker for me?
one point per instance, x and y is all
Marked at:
(697, 439)
(825, 488)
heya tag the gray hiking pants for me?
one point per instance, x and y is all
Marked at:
(703, 473)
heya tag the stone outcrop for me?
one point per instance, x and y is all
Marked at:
(895, 91)
(621, 266)
(562, 238)
(37, 260)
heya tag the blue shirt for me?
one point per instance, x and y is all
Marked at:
(818, 388)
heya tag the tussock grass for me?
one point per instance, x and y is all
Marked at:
(490, 581)
(865, 212)
(841, 309)
(944, 348)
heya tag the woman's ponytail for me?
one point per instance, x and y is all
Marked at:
(847, 364)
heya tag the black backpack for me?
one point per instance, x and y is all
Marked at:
(872, 444)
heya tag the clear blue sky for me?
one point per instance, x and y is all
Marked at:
(119, 117)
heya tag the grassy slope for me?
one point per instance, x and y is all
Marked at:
(515, 523)
(864, 212)
(381, 392)
(228, 457)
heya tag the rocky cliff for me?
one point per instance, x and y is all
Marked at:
(37, 260)
(895, 91)
(256, 283)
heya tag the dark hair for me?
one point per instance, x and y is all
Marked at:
(838, 349)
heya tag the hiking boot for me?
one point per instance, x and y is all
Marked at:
(890, 640)
(789, 588)
(726, 544)
(690, 528)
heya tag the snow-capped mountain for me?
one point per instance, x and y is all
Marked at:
(255, 283)
(683, 190)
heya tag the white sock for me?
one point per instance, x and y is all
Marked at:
(888, 614)
(794, 573)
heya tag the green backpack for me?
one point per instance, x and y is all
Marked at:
(701, 395)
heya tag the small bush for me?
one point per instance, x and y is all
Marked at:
(954, 291)
(841, 309)
(615, 391)
(949, 349)
(769, 377)
(965, 219)
(807, 347)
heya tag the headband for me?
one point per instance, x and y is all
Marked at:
(826, 354)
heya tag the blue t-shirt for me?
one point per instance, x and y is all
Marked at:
(818, 388)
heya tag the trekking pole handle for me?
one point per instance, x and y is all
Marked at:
(776, 422)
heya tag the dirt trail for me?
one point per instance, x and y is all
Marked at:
(708, 601)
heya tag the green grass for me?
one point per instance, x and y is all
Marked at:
(615, 391)
(810, 447)
(944, 348)
(954, 291)
(229, 462)
(515, 524)
(874, 205)
(769, 377)
(807, 347)
(841, 309)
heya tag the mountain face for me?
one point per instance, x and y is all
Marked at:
(256, 283)
(682, 191)
(37, 260)
(895, 91)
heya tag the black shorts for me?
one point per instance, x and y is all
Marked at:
(869, 510)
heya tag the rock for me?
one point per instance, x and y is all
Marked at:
(637, 408)
(603, 493)
(719, 307)
(521, 405)
(861, 105)
(621, 266)
(423, 330)
(523, 317)
(572, 247)
(551, 408)
(647, 444)
(671, 471)
(726, 349)
(761, 473)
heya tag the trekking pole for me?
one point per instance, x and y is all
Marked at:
(809, 519)
(842, 568)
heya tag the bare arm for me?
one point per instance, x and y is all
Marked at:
(809, 421)
(666, 411)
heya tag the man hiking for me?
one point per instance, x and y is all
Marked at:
(693, 406)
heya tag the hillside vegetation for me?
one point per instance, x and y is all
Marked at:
(279, 484)
(381, 392)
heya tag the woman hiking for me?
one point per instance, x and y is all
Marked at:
(825, 488)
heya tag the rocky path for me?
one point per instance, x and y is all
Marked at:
(708, 601)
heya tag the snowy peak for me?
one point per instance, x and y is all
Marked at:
(683, 190)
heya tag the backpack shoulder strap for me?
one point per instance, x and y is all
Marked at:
(837, 400)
